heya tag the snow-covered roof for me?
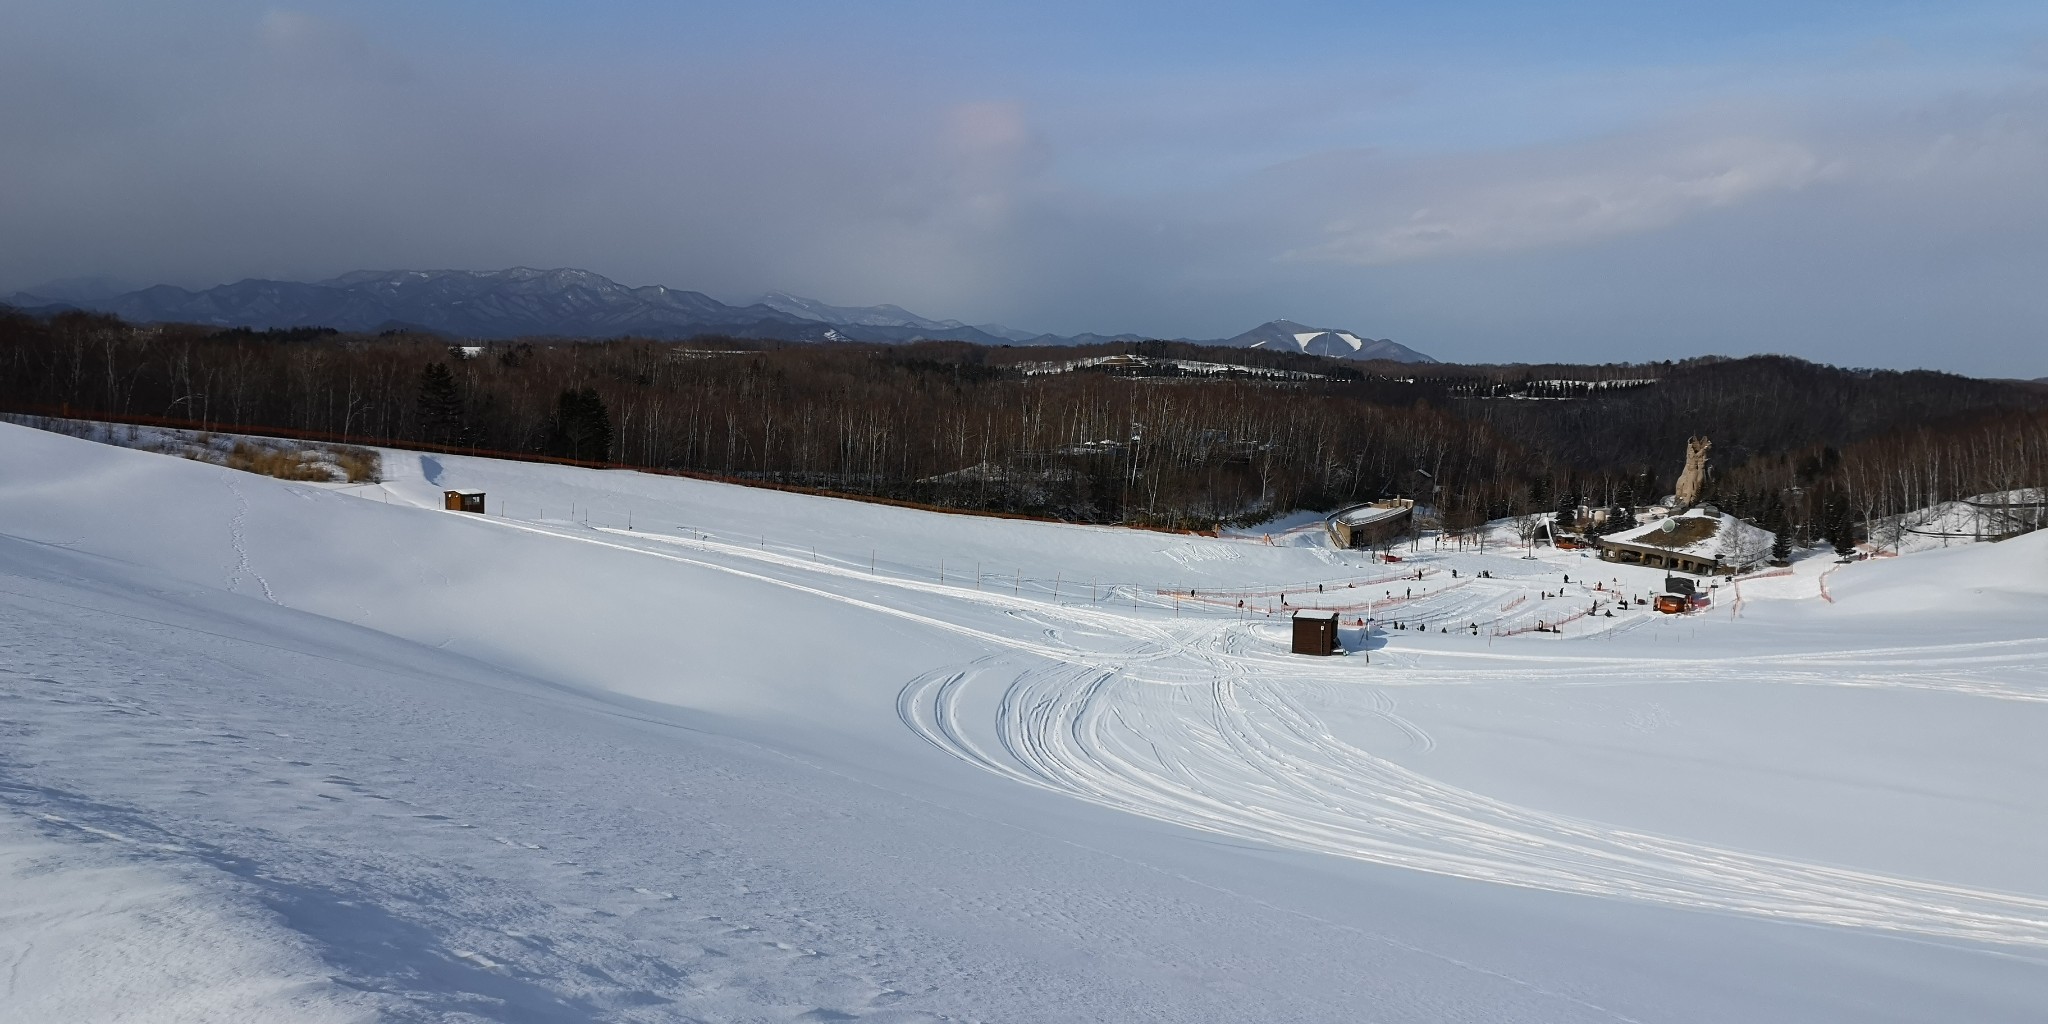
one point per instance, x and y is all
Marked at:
(1363, 515)
(1698, 533)
(2023, 497)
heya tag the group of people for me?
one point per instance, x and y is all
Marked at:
(1614, 598)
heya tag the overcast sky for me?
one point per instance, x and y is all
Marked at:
(1861, 183)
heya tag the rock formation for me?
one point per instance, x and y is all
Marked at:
(1694, 477)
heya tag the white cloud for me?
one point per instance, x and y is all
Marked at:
(1509, 201)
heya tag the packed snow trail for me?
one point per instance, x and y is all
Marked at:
(1239, 758)
(1193, 724)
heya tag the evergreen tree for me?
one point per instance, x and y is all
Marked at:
(1840, 522)
(1567, 510)
(1779, 523)
(582, 427)
(1619, 518)
(440, 406)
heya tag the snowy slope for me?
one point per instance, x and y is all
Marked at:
(92, 931)
(762, 756)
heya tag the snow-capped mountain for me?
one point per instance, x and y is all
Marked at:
(580, 304)
(1288, 336)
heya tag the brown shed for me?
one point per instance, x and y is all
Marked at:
(1315, 633)
(463, 501)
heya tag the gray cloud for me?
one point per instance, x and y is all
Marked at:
(1853, 224)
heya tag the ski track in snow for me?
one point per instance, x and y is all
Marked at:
(239, 536)
(1241, 758)
(1195, 722)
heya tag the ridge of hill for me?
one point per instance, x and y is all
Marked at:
(566, 302)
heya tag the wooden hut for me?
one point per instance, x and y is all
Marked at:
(1315, 632)
(463, 501)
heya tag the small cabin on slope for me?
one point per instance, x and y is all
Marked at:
(1315, 632)
(463, 501)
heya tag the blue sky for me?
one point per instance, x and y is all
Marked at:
(1856, 183)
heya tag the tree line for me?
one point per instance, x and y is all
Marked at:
(964, 426)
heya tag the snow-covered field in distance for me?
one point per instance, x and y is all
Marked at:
(648, 748)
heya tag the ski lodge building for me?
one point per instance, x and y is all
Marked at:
(1703, 541)
(1377, 522)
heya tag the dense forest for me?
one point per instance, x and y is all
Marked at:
(1158, 433)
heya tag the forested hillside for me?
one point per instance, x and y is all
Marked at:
(1160, 434)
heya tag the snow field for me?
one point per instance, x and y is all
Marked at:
(1192, 721)
(752, 758)
(1196, 726)
(86, 935)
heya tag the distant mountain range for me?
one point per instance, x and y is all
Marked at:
(522, 302)
(1323, 341)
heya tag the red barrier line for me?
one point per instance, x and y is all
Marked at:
(1335, 585)
(1546, 626)
(1218, 600)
